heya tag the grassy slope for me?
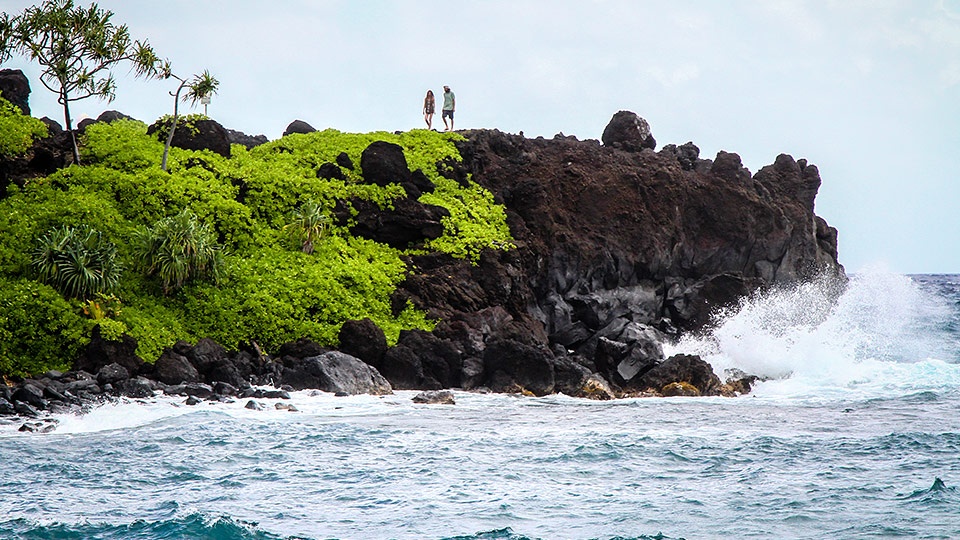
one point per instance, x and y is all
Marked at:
(270, 291)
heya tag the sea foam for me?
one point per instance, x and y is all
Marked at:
(883, 331)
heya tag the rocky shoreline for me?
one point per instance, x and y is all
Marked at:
(618, 249)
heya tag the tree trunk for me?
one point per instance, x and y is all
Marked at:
(66, 119)
(173, 126)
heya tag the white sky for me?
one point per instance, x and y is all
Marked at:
(869, 91)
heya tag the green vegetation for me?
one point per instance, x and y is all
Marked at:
(17, 131)
(235, 249)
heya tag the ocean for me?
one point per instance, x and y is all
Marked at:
(855, 434)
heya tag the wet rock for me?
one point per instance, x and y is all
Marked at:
(680, 389)
(364, 340)
(172, 368)
(286, 407)
(31, 395)
(333, 372)
(137, 388)
(682, 368)
(511, 363)
(276, 394)
(192, 400)
(421, 360)
(254, 406)
(6, 408)
(112, 374)
(39, 427)
(435, 397)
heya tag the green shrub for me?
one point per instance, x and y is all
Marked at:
(39, 330)
(177, 249)
(77, 261)
(27, 214)
(17, 131)
(308, 224)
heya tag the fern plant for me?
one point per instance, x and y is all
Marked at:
(177, 249)
(77, 261)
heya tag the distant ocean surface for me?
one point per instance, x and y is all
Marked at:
(856, 435)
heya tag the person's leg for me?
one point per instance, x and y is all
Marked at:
(443, 115)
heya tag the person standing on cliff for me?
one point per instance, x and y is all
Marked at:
(449, 105)
(429, 104)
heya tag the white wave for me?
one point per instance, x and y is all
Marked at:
(883, 332)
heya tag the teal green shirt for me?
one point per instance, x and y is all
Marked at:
(449, 99)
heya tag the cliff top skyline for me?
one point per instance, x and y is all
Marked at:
(866, 91)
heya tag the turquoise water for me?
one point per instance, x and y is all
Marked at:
(857, 437)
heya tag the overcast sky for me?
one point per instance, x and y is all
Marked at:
(869, 91)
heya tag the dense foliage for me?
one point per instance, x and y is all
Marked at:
(284, 269)
(17, 131)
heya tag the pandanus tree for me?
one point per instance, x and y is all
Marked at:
(77, 48)
(197, 87)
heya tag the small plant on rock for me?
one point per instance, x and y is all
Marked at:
(177, 249)
(77, 261)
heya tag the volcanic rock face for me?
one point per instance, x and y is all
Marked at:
(615, 251)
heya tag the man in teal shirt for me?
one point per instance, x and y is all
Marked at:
(449, 105)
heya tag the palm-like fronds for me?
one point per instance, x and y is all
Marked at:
(177, 249)
(308, 225)
(77, 261)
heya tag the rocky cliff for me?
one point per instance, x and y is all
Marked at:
(618, 248)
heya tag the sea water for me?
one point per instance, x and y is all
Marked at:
(854, 434)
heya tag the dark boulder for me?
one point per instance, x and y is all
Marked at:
(101, 352)
(198, 135)
(629, 132)
(136, 388)
(335, 372)
(248, 141)
(15, 88)
(105, 117)
(31, 395)
(421, 360)
(435, 397)
(112, 374)
(728, 166)
(681, 368)
(298, 126)
(409, 222)
(204, 355)
(511, 365)
(344, 161)
(172, 368)
(6, 408)
(226, 371)
(331, 171)
(302, 348)
(384, 163)
(364, 340)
